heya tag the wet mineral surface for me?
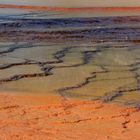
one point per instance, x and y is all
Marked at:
(90, 58)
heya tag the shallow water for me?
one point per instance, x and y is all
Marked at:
(86, 57)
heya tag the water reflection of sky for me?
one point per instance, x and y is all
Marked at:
(8, 11)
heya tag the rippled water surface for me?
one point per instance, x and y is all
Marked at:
(79, 57)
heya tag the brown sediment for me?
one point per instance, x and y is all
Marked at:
(53, 118)
(71, 9)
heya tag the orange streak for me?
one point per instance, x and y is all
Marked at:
(90, 9)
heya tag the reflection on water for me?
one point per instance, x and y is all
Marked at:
(90, 58)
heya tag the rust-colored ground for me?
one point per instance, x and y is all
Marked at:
(52, 118)
(71, 9)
